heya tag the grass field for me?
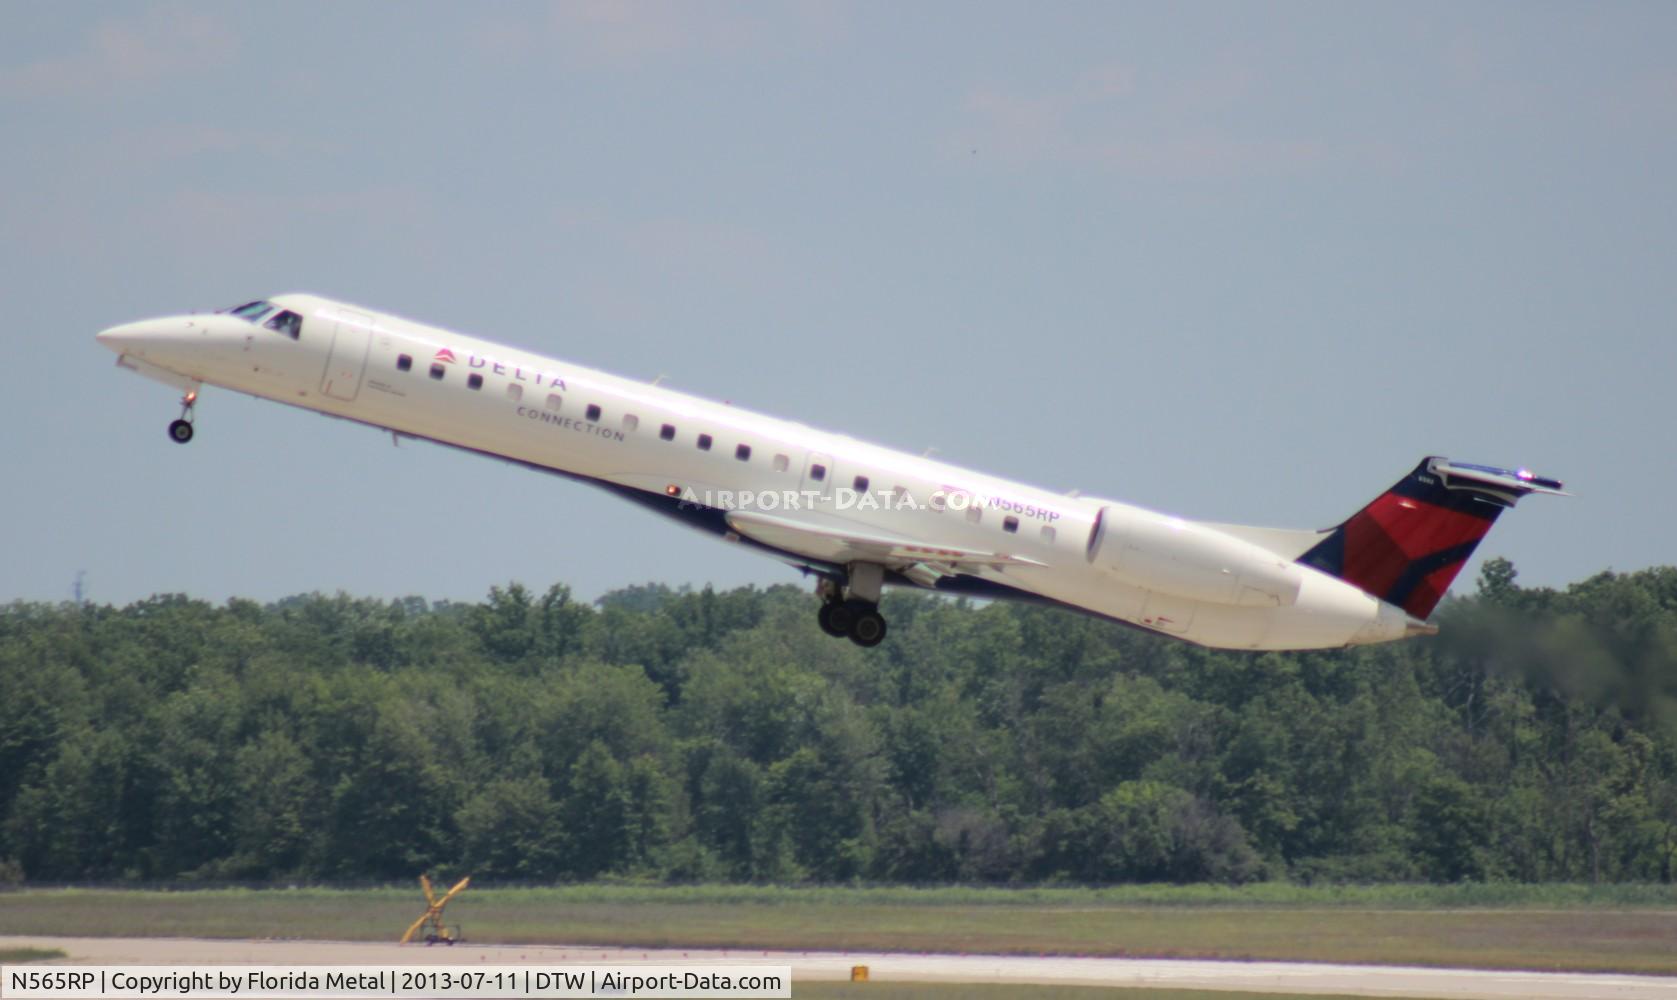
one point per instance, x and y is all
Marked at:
(1628, 929)
(18, 956)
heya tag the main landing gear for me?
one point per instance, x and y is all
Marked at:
(853, 611)
(180, 431)
(859, 620)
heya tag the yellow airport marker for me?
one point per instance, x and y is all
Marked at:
(432, 920)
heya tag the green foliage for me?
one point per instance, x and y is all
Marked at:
(678, 736)
(510, 830)
(18, 956)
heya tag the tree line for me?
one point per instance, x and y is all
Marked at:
(683, 735)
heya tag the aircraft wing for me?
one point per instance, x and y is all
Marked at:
(846, 545)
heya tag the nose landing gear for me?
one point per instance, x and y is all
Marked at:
(180, 431)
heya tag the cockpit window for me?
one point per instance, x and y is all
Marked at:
(287, 322)
(252, 311)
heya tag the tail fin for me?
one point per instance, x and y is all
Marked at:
(1407, 545)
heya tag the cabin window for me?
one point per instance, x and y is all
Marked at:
(630, 421)
(437, 372)
(593, 412)
(704, 442)
(404, 362)
(860, 483)
(1010, 524)
(515, 391)
(474, 381)
(974, 514)
(818, 472)
(743, 452)
(1048, 532)
(782, 463)
(667, 432)
(553, 401)
(287, 322)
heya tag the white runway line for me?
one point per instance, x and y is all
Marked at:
(1271, 977)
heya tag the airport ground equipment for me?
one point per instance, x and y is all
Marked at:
(431, 922)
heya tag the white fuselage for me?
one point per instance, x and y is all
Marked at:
(1179, 578)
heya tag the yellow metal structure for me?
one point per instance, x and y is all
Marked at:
(432, 921)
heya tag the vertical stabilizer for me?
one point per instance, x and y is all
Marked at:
(1409, 543)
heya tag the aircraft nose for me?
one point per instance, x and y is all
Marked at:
(118, 338)
(129, 338)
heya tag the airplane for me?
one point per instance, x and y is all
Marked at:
(856, 516)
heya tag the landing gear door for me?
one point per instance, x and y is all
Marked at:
(350, 341)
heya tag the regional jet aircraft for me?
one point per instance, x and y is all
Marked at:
(856, 515)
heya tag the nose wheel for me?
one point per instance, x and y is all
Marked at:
(180, 431)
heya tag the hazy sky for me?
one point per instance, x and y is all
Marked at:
(1243, 262)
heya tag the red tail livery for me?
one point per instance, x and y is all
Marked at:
(1407, 545)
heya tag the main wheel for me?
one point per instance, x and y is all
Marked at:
(869, 628)
(180, 432)
(836, 619)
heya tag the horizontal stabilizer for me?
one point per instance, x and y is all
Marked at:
(1512, 483)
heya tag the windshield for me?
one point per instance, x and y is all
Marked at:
(252, 311)
(286, 322)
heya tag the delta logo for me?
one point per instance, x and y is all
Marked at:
(444, 354)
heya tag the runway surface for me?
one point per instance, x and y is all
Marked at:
(1289, 977)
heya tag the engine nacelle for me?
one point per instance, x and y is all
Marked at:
(1172, 556)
